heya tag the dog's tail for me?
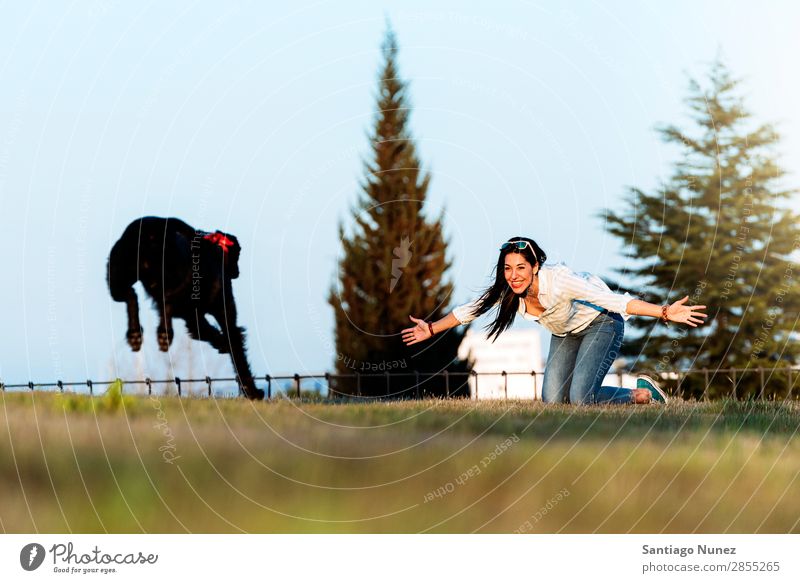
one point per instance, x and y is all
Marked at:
(123, 263)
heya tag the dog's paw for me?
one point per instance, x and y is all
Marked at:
(253, 394)
(134, 339)
(165, 339)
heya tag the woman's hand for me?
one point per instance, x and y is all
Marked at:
(416, 334)
(690, 315)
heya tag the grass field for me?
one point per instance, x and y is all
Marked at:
(160, 464)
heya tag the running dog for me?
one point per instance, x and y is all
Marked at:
(188, 274)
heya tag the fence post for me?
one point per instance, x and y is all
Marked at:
(178, 385)
(505, 385)
(533, 374)
(358, 384)
(2, 386)
(297, 381)
(149, 384)
(447, 383)
(706, 381)
(30, 385)
(328, 383)
(761, 376)
(60, 385)
(476, 384)
(789, 383)
(208, 382)
(269, 386)
(89, 384)
(733, 372)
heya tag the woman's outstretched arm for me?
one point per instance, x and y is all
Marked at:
(675, 312)
(422, 331)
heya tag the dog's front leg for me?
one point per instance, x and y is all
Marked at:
(200, 329)
(234, 337)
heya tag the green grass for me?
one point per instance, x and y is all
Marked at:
(121, 463)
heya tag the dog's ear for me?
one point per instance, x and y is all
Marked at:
(227, 248)
(232, 256)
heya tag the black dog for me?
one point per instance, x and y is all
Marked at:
(188, 274)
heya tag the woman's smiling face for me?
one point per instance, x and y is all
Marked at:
(518, 272)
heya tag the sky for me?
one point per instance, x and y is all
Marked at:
(254, 118)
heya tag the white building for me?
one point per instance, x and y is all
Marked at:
(516, 351)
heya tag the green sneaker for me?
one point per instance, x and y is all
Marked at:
(656, 392)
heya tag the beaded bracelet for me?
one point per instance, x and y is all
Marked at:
(664, 317)
(430, 327)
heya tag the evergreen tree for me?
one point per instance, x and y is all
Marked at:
(393, 264)
(721, 231)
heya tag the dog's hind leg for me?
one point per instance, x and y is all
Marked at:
(165, 331)
(121, 276)
(134, 333)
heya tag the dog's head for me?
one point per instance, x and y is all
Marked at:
(230, 249)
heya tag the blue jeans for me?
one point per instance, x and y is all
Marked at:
(578, 363)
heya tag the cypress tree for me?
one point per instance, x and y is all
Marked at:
(720, 230)
(393, 263)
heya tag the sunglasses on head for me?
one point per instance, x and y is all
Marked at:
(519, 245)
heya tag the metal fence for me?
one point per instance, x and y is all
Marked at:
(732, 383)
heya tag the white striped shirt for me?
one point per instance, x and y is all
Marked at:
(570, 300)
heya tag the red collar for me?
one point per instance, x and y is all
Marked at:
(219, 239)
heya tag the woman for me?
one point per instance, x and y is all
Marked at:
(585, 317)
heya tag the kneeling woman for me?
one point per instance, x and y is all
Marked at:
(585, 317)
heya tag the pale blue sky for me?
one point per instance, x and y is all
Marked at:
(253, 120)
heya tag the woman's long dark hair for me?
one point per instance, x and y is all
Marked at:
(500, 292)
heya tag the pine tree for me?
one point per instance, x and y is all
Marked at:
(721, 231)
(393, 264)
